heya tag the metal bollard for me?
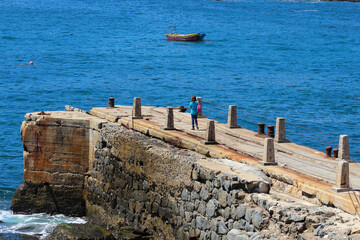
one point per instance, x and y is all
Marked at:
(169, 119)
(210, 133)
(328, 151)
(342, 177)
(200, 114)
(111, 102)
(232, 117)
(261, 128)
(271, 131)
(137, 108)
(280, 130)
(269, 153)
(336, 153)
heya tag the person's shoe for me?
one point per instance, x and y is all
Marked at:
(197, 127)
(192, 128)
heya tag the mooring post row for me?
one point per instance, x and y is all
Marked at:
(279, 136)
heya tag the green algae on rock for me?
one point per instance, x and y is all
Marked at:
(90, 231)
(80, 231)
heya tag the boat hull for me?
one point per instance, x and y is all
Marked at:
(194, 37)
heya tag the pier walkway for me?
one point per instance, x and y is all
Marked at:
(308, 169)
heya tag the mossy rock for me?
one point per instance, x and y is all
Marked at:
(130, 233)
(80, 232)
(90, 231)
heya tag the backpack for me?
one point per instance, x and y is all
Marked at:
(198, 108)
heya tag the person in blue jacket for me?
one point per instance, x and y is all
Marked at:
(193, 106)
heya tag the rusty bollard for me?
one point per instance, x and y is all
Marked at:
(336, 153)
(111, 102)
(261, 128)
(271, 132)
(328, 151)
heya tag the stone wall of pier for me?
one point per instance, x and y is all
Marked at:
(178, 194)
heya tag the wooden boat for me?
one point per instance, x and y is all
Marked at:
(192, 37)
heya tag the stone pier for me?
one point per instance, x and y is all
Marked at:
(120, 170)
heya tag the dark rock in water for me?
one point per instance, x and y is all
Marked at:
(32, 198)
(90, 231)
(14, 236)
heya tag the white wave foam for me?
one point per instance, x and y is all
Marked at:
(36, 224)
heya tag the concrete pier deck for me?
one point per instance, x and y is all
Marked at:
(309, 170)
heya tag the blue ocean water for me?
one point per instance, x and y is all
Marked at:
(294, 59)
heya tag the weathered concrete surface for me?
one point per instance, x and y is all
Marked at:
(308, 171)
(57, 152)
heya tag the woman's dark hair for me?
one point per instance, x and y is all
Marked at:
(193, 98)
